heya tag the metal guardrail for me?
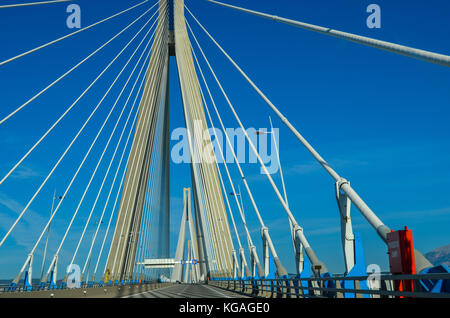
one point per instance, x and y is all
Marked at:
(334, 287)
(63, 286)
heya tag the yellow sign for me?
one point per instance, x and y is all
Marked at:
(107, 275)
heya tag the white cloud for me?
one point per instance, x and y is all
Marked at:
(27, 228)
(24, 172)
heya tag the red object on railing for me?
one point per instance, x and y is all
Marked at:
(401, 257)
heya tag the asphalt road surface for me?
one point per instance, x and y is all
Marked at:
(188, 291)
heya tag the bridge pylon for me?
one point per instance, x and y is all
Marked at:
(213, 244)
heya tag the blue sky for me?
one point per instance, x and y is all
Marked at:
(381, 120)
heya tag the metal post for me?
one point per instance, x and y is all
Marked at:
(347, 237)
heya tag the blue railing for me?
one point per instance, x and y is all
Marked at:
(381, 286)
(63, 285)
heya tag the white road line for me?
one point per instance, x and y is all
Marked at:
(218, 292)
(129, 296)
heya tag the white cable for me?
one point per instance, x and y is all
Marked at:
(144, 99)
(201, 172)
(121, 181)
(64, 154)
(155, 175)
(76, 211)
(264, 228)
(223, 127)
(218, 170)
(197, 171)
(427, 56)
(220, 174)
(69, 35)
(368, 214)
(138, 138)
(31, 4)
(69, 186)
(145, 237)
(266, 172)
(217, 225)
(298, 230)
(239, 205)
(70, 70)
(98, 195)
(117, 146)
(66, 112)
(109, 140)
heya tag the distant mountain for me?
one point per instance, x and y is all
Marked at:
(440, 255)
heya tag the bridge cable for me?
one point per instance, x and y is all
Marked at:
(423, 55)
(86, 155)
(31, 4)
(146, 224)
(137, 138)
(218, 169)
(70, 145)
(263, 227)
(149, 193)
(111, 135)
(70, 71)
(220, 149)
(151, 199)
(129, 78)
(198, 177)
(370, 216)
(109, 140)
(68, 109)
(122, 179)
(252, 248)
(299, 230)
(217, 225)
(282, 182)
(199, 190)
(71, 34)
(204, 174)
(211, 242)
(118, 143)
(155, 187)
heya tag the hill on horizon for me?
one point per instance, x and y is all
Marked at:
(440, 255)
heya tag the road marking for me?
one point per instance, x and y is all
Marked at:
(129, 296)
(218, 292)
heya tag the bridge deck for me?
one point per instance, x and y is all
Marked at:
(188, 291)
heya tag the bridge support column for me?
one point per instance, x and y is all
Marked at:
(245, 271)
(28, 274)
(347, 237)
(236, 267)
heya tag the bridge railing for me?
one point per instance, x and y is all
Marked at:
(384, 286)
(63, 286)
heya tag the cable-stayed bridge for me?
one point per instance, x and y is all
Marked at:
(134, 249)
